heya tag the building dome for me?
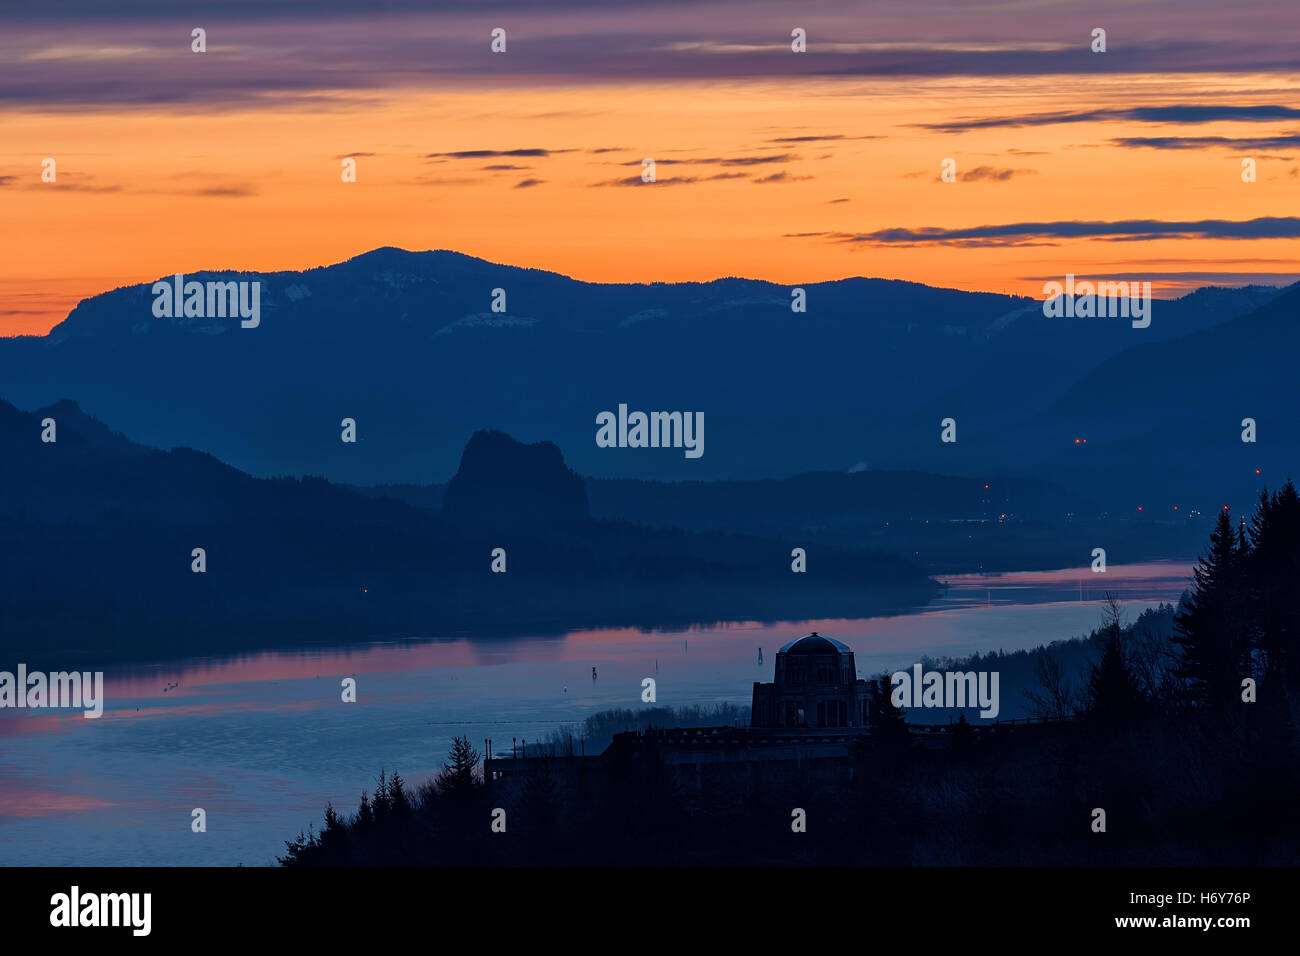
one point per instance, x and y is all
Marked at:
(815, 685)
(814, 643)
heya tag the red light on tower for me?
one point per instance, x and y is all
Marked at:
(1076, 441)
(1225, 507)
(1175, 507)
(1257, 471)
(1139, 507)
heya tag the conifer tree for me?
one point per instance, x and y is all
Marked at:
(1213, 629)
(457, 775)
(1274, 571)
(1113, 693)
(889, 722)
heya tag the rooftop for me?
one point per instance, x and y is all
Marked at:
(814, 643)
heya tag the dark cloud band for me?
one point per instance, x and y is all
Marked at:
(1040, 233)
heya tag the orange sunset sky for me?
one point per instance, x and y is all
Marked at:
(770, 164)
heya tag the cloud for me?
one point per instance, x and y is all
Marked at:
(153, 9)
(675, 181)
(1284, 141)
(781, 177)
(817, 139)
(1051, 233)
(504, 166)
(134, 53)
(448, 181)
(723, 160)
(996, 174)
(806, 139)
(871, 46)
(493, 153)
(1185, 280)
(1141, 114)
(74, 187)
(225, 192)
(528, 183)
(84, 52)
(992, 174)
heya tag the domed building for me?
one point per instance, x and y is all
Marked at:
(816, 685)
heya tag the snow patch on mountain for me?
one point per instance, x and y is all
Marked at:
(486, 320)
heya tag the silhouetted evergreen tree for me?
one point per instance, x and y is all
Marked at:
(302, 851)
(398, 797)
(889, 723)
(1213, 629)
(1113, 695)
(333, 837)
(460, 818)
(381, 802)
(457, 774)
(365, 815)
(1274, 569)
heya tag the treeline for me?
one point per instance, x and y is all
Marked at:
(598, 730)
(1243, 621)
(400, 825)
(1047, 681)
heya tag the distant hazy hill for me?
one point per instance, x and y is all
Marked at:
(798, 501)
(97, 535)
(946, 524)
(822, 498)
(407, 344)
(1167, 416)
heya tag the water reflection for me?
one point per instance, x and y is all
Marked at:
(262, 741)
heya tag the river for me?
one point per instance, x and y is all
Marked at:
(261, 741)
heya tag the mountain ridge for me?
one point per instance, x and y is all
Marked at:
(407, 344)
